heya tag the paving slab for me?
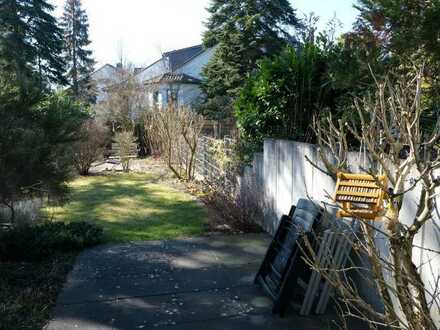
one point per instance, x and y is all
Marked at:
(155, 283)
(195, 283)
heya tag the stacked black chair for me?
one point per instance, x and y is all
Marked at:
(283, 264)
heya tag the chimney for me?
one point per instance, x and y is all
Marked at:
(119, 65)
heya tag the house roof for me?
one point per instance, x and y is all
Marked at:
(103, 67)
(177, 58)
(137, 70)
(181, 78)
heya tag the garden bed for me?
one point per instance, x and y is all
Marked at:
(28, 290)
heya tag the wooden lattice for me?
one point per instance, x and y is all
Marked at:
(360, 195)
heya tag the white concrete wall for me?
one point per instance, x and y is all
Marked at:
(287, 176)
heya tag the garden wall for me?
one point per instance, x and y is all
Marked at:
(281, 175)
(288, 176)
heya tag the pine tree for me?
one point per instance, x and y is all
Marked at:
(15, 49)
(78, 58)
(30, 41)
(48, 44)
(244, 31)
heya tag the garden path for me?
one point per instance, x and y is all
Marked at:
(194, 283)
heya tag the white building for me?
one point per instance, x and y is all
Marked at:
(105, 76)
(176, 76)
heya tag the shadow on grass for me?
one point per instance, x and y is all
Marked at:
(132, 207)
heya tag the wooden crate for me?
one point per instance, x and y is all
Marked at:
(360, 195)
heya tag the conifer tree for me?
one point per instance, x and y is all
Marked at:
(30, 41)
(48, 42)
(15, 49)
(402, 27)
(78, 57)
(406, 33)
(244, 31)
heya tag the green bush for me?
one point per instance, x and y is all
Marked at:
(283, 95)
(37, 242)
(37, 132)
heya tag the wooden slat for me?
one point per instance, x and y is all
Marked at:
(353, 190)
(358, 194)
(323, 258)
(368, 177)
(350, 200)
(340, 259)
(359, 184)
(367, 214)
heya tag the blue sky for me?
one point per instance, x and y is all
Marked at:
(327, 8)
(145, 28)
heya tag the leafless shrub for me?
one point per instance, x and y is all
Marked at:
(91, 146)
(176, 131)
(125, 141)
(235, 212)
(125, 99)
(228, 186)
(391, 131)
(150, 136)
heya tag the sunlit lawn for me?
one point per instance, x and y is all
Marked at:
(132, 207)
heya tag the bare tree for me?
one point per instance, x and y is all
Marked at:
(150, 134)
(398, 146)
(126, 146)
(176, 131)
(126, 99)
(191, 125)
(167, 132)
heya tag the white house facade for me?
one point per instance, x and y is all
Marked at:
(175, 77)
(103, 77)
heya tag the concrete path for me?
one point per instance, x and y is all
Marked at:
(200, 283)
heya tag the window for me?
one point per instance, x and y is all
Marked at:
(172, 96)
(156, 97)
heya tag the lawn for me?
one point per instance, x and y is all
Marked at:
(132, 207)
(129, 207)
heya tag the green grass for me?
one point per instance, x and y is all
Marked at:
(129, 207)
(132, 207)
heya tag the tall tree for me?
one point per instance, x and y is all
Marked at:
(15, 48)
(75, 25)
(30, 41)
(47, 39)
(407, 33)
(404, 27)
(244, 31)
